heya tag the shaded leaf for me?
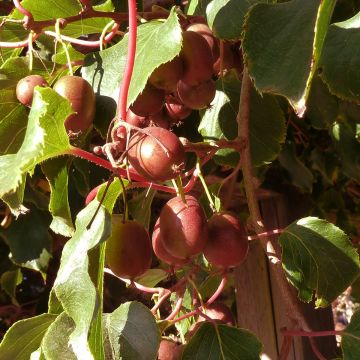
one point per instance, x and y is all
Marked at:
(9, 281)
(347, 147)
(215, 342)
(350, 340)
(56, 171)
(226, 17)
(29, 240)
(104, 70)
(73, 285)
(267, 122)
(24, 337)
(140, 207)
(282, 45)
(318, 256)
(339, 62)
(132, 332)
(299, 174)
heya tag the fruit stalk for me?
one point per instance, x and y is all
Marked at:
(129, 67)
(243, 119)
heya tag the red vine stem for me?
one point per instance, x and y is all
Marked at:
(218, 291)
(17, 44)
(243, 119)
(25, 12)
(129, 67)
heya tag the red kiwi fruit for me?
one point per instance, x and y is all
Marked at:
(82, 98)
(128, 250)
(228, 244)
(159, 156)
(25, 88)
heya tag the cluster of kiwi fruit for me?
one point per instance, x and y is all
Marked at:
(180, 234)
(74, 88)
(185, 83)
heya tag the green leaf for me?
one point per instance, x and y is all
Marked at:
(29, 240)
(45, 137)
(152, 277)
(11, 32)
(350, 340)
(322, 107)
(132, 332)
(13, 121)
(318, 256)
(267, 122)
(226, 17)
(73, 285)
(9, 281)
(56, 338)
(105, 69)
(46, 10)
(348, 148)
(213, 342)
(339, 62)
(299, 174)
(24, 337)
(140, 206)
(282, 45)
(56, 171)
(112, 194)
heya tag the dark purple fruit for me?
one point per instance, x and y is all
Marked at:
(82, 98)
(128, 250)
(159, 156)
(166, 76)
(219, 311)
(207, 34)
(197, 97)
(25, 88)
(197, 58)
(177, 112)
(150, 101)
(228, 60)
(160, 119)
(136, 120)
(170, 350)
(228, 244)
(183, 227)
(160, 251)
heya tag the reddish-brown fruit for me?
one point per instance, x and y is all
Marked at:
(82, 98)
(183, 227)
(136, 120)
(128, 250)
(197, 58)
(25, 88)
(219, 311)
(207, 34)
(160, 119)
(177, 112)
(159, 156)
(159, 249)
(228, 244)
(170, 350)
(166, 76)
(228, 59)
(197, 97)
(150, 101)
